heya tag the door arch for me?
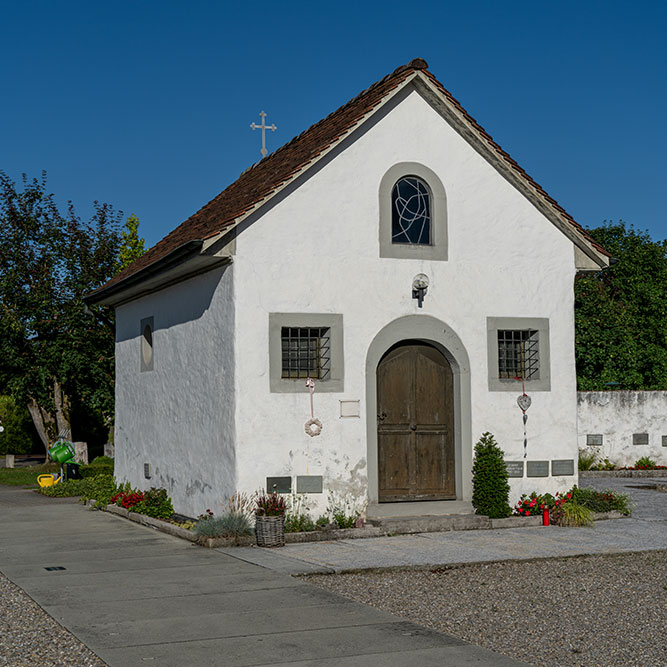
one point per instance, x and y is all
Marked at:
(415, 415)
(431, 330)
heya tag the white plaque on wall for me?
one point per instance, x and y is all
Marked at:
(350, 409)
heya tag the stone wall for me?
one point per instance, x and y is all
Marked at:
(626, 424)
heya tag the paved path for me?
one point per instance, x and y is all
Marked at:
(138, 597)
(646, 530)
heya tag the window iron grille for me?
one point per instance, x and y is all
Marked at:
(518, 354)
(306, 352)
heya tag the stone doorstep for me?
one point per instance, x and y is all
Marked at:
(592, 474)
(390, 526)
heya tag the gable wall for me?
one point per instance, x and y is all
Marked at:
(318, 251)
(179, 417)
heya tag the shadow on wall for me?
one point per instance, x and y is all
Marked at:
(184, 302)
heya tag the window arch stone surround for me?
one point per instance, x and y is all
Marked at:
(438, 247)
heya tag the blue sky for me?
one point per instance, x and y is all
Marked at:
(148, 105)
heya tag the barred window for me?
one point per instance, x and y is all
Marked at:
(306, 352)
(518, 354)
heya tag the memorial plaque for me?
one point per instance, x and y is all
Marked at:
(537, 469)
(594, 439)
(640, 438)
(309, 484)
(664, 440)
(279, 484)
(514, 468)
(562, 467)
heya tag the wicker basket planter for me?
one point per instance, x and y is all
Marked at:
(270, 531)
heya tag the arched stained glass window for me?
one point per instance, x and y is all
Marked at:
(411, 212)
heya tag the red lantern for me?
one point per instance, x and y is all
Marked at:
(545, 517)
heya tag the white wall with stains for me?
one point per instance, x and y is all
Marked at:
(179, 417)
(317, 251)
(205, 417)
(616, 416)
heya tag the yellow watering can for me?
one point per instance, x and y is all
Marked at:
(48, 480)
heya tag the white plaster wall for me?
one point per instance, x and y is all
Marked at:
(179, 417)
(318, 251)
(616, 415)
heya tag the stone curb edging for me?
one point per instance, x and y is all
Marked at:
(516, 522)
(213, 543)
(162, 526)
(591, 474)
(313, 536)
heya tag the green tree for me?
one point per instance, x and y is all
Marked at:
(621, 314)
(132, 245)
(17, 435)
(51, 350)
(490, 488)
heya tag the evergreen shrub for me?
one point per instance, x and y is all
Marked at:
(490, 488)
(102, 465)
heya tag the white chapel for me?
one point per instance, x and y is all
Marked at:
(393, 268)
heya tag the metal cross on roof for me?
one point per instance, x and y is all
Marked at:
(263, 127)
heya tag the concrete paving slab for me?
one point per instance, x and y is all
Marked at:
(359, 641)
(70, 593)
(274, 560)
(443, 656)
(219, 610)
(280, 619)
(191, 558)
(617, 536)
(167, 574)
(46, 557)
(190, 606)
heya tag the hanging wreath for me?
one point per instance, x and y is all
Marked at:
(313, 427)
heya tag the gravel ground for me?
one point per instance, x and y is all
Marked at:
(591, 610)
(29, 636)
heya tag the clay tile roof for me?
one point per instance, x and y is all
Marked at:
(262, 179)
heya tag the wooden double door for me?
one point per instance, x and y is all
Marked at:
(415, 390)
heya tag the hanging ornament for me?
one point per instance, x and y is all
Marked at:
(313, 426)
(524, 401)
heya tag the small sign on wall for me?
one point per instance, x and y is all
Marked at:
(350, 409)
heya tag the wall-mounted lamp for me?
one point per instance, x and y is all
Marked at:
(419, 287)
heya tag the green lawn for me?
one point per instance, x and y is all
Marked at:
(25, 476)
